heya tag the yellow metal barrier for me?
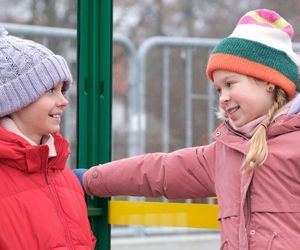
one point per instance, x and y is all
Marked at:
(163, 214)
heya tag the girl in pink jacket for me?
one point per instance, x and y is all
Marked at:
(42, 204)
(253, 166)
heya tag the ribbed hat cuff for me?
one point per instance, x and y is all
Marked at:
(233, 63)
(259, 53)
(28, 87)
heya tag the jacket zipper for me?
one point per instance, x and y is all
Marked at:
(248, 209)
(58, 207)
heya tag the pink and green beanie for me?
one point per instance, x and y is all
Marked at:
(260, 46)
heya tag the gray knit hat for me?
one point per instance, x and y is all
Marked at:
(27, 71)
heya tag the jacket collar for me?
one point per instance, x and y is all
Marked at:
(282, 124)
(11, 126)
(17, 152)
(227, 136)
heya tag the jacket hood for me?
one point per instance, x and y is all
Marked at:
(283, 124)
(18, 153)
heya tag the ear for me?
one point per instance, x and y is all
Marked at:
(270, 87)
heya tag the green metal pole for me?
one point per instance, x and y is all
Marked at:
(94, 101)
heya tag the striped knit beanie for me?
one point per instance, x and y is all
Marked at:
(27, 71)
(261, 47)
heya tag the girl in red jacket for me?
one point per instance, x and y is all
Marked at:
(253, 167)
(42, 204)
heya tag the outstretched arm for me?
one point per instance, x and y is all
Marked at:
(186, 173)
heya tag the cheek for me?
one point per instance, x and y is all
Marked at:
(241, 96)
(259, 106)
(36, 116)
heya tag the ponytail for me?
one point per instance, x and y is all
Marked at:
(258, 148)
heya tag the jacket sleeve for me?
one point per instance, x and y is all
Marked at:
(186, 173)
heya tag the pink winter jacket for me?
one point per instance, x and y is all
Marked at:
(258, 210)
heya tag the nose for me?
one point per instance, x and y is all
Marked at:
(62, 101)
(224, 97)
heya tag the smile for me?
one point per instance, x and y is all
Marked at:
(232, 110)
(56, 116)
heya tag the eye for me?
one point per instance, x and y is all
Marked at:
(229, 84)
(63, 89)
(218, 90)
(51, 90)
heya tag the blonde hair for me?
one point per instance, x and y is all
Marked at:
(258, 148)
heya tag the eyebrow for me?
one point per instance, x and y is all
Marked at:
(229, 77)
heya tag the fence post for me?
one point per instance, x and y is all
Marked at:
(94, 101)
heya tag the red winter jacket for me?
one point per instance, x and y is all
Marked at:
(41, 202)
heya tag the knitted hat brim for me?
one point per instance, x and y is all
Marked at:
(260, 53)
(237, 64)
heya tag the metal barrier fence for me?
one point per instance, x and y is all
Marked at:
(181, 43)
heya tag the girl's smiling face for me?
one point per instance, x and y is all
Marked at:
(43, 116)
(243, 98)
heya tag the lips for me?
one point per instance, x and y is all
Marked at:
(232, 110)
(56, 116)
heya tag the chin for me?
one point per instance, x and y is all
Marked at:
(54, 130)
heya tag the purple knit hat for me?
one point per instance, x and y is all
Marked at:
(27, 71)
